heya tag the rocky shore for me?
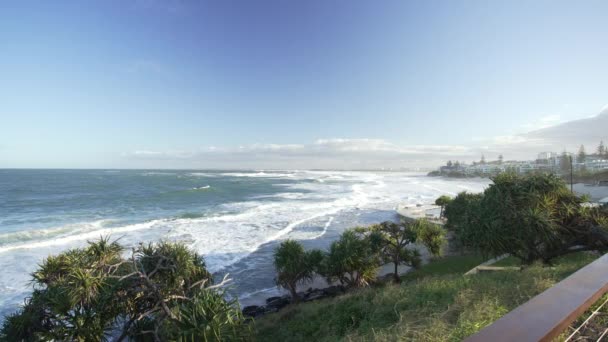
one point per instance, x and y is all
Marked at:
(274, 304)
(322, 290)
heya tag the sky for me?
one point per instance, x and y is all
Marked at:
(292, 84)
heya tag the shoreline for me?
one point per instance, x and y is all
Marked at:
(228, 229)
(261, 297)
(272, 299)
(318, 288)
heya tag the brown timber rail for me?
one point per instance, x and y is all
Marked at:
(547, 315)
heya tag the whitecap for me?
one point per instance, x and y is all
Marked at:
(202, 187)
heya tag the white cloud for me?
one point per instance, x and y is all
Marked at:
(543, 122)
(366, 153)
(323, 153)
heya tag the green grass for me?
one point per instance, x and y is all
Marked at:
(447, 265)
(508, 262)
(436, 303)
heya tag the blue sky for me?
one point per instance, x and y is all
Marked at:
(289, 83)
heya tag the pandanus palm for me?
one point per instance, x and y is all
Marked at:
(294, 265)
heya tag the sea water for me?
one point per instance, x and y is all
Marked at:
(234, 219)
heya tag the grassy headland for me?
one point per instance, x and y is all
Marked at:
(435, 303)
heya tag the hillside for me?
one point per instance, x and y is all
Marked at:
(436, 303)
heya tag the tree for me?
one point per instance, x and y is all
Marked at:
(564, 162)
(533, 217)
(500, 159)
(351, 260)
(461, 213)
(581, 155)
(457, 164)
(602, 150)
(390, 240)
(210, 317)
(161, 292)
(483, 160)
(294, 265)
(449, 164)
(394, 242)
(430, 235)
(442, 201)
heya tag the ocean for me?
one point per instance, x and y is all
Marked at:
(234, 219)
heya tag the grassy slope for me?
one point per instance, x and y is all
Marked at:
(436, 303)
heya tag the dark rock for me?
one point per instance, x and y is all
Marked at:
(334, 290)
(268, 310)
(314, 295)
(272, 299)
(277, 302)
(253, 310)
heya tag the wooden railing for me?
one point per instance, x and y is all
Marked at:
(547, 315)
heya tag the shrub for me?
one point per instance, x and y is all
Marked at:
(390, 241)
(295, 265)
(351, 260)
(393, 242)
(461, 214)
(85, 294)
(431, 235)
(442, 201)
(533, 217)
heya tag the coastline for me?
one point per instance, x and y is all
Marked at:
(253, 276)
(261, 297)
(274, 298)
(235, 225)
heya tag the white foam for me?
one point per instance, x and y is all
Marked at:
(239, 228)
(203, 174)
(78, 237)
(154, 173)
(325, 227)
(201, 187)
(260, 174)
(285, 195)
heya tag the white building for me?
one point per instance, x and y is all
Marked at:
(596, 164)
(546, 155)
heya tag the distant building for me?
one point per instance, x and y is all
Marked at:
(595, 165)
(485, 169)
(545, 162)
(546, 155)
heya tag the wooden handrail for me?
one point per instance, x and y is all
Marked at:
(547, 315)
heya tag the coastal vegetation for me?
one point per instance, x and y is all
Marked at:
(442, 201)
(533, 217)
(294, 265)
(434, 303)
(430, 235)
(390, 240)
(355, 258)
(160, 292)
(351, 260)
(163, 291)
